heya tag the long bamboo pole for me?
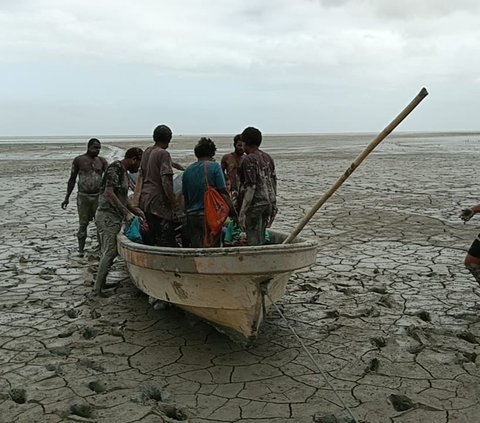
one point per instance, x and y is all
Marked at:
(360, 158)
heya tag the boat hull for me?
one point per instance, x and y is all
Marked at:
(224, 286)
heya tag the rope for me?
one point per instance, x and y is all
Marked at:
(311, 358)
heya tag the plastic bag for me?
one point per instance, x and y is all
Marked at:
(132, 230)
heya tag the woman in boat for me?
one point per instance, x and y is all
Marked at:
(194, 187)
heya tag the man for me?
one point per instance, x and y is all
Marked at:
(157, 198)
(194, 187)
(258, 188)
(472, 259)
(89, 167)
(113, 208)
(230, 164)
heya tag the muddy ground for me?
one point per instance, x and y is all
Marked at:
(387, 311)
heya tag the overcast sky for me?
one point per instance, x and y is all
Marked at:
(72, 67)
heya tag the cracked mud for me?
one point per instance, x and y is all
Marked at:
(388, 310)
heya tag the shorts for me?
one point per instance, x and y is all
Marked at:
(474, 249)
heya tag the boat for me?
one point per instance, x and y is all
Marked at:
(227, 287)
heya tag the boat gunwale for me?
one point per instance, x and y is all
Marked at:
(301, 244)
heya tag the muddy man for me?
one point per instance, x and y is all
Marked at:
(89, 168)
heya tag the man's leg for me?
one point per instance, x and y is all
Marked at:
(108, 228)
(83, 208)
(255, 224)
(167, 234)
(196, 230)
(472, 259)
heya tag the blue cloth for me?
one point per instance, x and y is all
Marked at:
(132, 230)
(194, 187)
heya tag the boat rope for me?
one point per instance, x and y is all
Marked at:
(345, 406)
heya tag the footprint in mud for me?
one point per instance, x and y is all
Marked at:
(97, 386)
(173, 412)
(152, 393)
(81, 410)
(401, 402)
(468, 336)
(18, 395)
(72, 313)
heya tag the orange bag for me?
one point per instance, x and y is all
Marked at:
(216, 211)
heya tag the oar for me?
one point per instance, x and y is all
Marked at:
(360, 158)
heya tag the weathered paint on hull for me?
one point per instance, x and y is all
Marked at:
(220, 285)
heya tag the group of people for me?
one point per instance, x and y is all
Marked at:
(245, 179)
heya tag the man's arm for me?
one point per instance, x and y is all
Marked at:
(247, 201)
(71, 182)
(167, 183)
(115, 202)
(178, 166)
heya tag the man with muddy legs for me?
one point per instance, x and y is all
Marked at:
(89, 168)
(113, 208)
(472, 259)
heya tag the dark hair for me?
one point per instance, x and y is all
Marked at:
(134, 153)
(205, 148)
(252, 136)
(237, 138)
(162, 134)
(92, 141)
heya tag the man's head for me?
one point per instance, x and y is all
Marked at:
(252, 138)
(238, 144)
(205, 148)
(162, 135)
(133, 157)
(93, 147)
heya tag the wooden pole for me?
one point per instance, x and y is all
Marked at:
(360, 158)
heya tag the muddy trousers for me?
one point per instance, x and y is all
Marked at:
(475, 271)
(86, 207)
(256, 223)
(109, 226)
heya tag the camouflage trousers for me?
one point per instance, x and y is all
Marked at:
(108, 226)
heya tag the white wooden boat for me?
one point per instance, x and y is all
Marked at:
(224, 286)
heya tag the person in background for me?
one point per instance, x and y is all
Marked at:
(258, 188)
(89, 168)
(113, 209)
(230, 165)
(472, 259)
(194, 187)
(157, 198)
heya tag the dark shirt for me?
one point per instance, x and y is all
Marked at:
(115, 177)
(156, 163)
(258, 169)
(194, 187)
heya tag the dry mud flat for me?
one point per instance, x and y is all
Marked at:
(387, 310)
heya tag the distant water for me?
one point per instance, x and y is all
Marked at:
(56, 148)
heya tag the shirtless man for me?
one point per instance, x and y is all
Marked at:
(89, 168)
(230, 164)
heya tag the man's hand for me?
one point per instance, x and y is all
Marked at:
(139, 212)
(242, 219)
(467, 214)
(272, 217)
(65, 204)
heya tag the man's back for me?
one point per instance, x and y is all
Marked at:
(258, 169)
(156, 163)
(194, 187)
